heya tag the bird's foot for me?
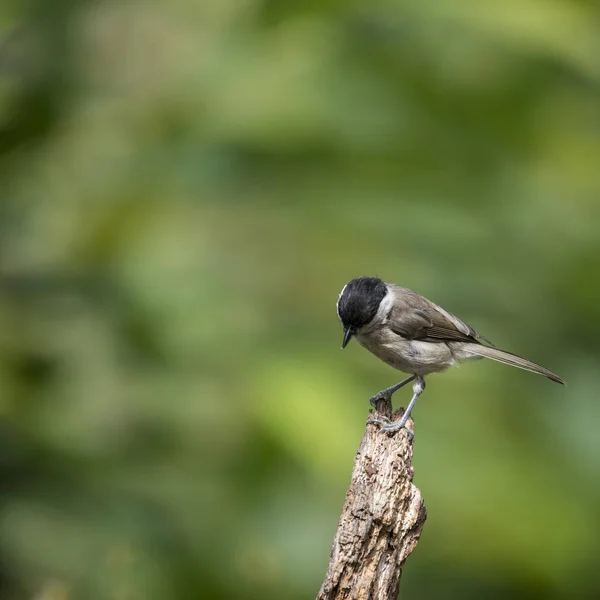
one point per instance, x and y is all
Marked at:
(389, 426)
(386, 395)
(383, 395)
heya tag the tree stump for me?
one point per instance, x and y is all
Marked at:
(381, 521)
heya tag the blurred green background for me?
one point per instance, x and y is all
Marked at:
(186, 187)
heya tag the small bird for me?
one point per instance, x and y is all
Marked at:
(413, 335)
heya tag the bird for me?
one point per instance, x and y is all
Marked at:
(412, 334)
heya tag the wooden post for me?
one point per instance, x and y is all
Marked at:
(381, 521)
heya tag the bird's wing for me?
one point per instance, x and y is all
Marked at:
(414, 317)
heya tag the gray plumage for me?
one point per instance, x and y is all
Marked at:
(414, 335)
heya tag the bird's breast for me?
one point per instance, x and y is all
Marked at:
(410, 356)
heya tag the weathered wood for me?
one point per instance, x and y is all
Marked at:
(381, 520)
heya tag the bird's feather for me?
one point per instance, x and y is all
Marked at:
(415, 318)
(510, 359)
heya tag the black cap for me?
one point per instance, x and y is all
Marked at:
(358, 304)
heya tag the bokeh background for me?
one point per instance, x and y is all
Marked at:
(185, 188)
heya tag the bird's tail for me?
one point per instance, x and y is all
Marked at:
(511, 359)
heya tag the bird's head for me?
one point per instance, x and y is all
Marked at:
(358, 304)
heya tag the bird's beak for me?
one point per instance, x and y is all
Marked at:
(348, 334)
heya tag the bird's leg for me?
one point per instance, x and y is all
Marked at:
(386, 394)
(389, 426)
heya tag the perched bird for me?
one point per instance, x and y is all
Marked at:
(413, 335)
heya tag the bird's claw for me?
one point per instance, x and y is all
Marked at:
(374, 400)
(381, 420)
(389, 426)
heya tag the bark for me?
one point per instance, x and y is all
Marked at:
(381, 521)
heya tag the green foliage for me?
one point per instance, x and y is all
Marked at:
(187, 186)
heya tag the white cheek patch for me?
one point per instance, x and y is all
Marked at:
(384, 307)
(337, 304)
